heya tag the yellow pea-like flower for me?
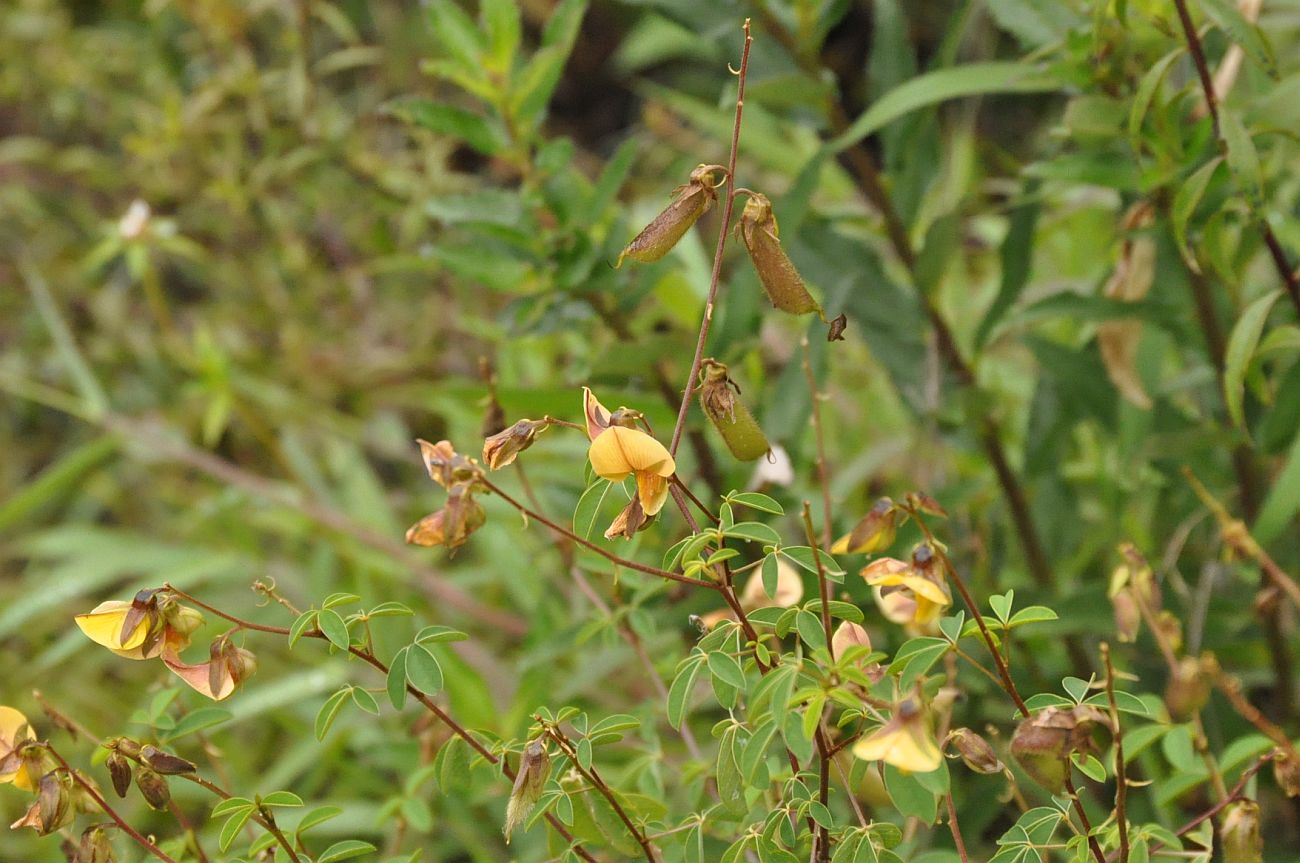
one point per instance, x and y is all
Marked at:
(904, 741)
(619, 452)
(14, 731)
(103, 625)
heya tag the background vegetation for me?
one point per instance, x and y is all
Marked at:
(1064, 280)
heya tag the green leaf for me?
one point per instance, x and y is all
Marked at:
(423, 670)
(438, 634)
(204, 717)
(319, 815)
(802, 555)
(337, 599)
(726, 668)
(536, 83)
(1146, 91)
(503, 27)
(1032, 614)
(1125, 702)
(1241, 347)
(771, 574)
(302, 626)
(329, 711)
(910, 797)
(333, 628)
(390, 609)
(365, 701)
(588, 508)
(1076, 688)
(486, 136)
(1250, 37)
(753, 499)
(233, 825)
(971, 79)
(1187, 198)
(1001, 604)
(1089, 766)
(1243, 158)
(281, 798)
(231, 804)
(754, 531)
(1283, 500)
(810, 629)
(456, 33)
(679, 693)
(345, 850)
(916, 657)
(396, 681)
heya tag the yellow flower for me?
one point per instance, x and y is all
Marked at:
(619, 451)
(14, 731)
(874, 532)
(107, 624)
(904, 741)
(905, 595)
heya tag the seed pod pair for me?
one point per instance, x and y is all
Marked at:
(761, 235)
(690, 201)
(730, 416)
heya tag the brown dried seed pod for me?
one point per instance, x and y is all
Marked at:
(729, 416)
(153, 788)
(119, 770)
(534, 770)
(782, 282)
(690, 201)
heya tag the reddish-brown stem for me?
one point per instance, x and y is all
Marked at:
(1275, 250)
(103, 804)
(429, 704)
(955, 828)
(823, 480)
(608, 555)
(592, 776)
(1121, 777)
(823, 843)
(728, 204)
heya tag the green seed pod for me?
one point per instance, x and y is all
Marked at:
(690, 202)
(784, 285)
(729, 416)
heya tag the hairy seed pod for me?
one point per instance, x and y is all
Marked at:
(534, 770)
(119, 770)
(153, 788)
(689, 203)
(95, 846)
(730, 416)
(784, 285)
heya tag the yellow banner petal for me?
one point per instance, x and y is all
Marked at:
(103, 625)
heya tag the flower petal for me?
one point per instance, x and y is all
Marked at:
(596, 414)
(618, 451)
(103, 625)
(906, 745)
(918, 584)
(199, 676)
(11, 723)
(652, 490)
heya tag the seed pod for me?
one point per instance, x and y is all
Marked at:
(1286, 770)
(784, 286)
(95, 846)
(975, 752)
(153, 788)
(1042, 745)
(689, 203)
(166, 763)
(534, 770)
(1240, 833)
(729, 416)
(1189, 686)
(501, 448)
(54, 803)
(119, 770)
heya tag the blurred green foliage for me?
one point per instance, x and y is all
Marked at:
(250, 251)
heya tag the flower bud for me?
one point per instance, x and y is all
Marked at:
(534, 770)
(183, 619)
(501, 448)
(849, 635)
(153, 788)
(782, 282)
(1189, 686)
(95, 846)
(974, 751)
(1240, 833)
(729, 416)
(689, 203)
(166, 763)
(874, 532)
(1286, 770)
(835, 333)
(119, 770)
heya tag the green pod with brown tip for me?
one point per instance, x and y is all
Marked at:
(729, 415)
(690, 202)
(782, 282)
